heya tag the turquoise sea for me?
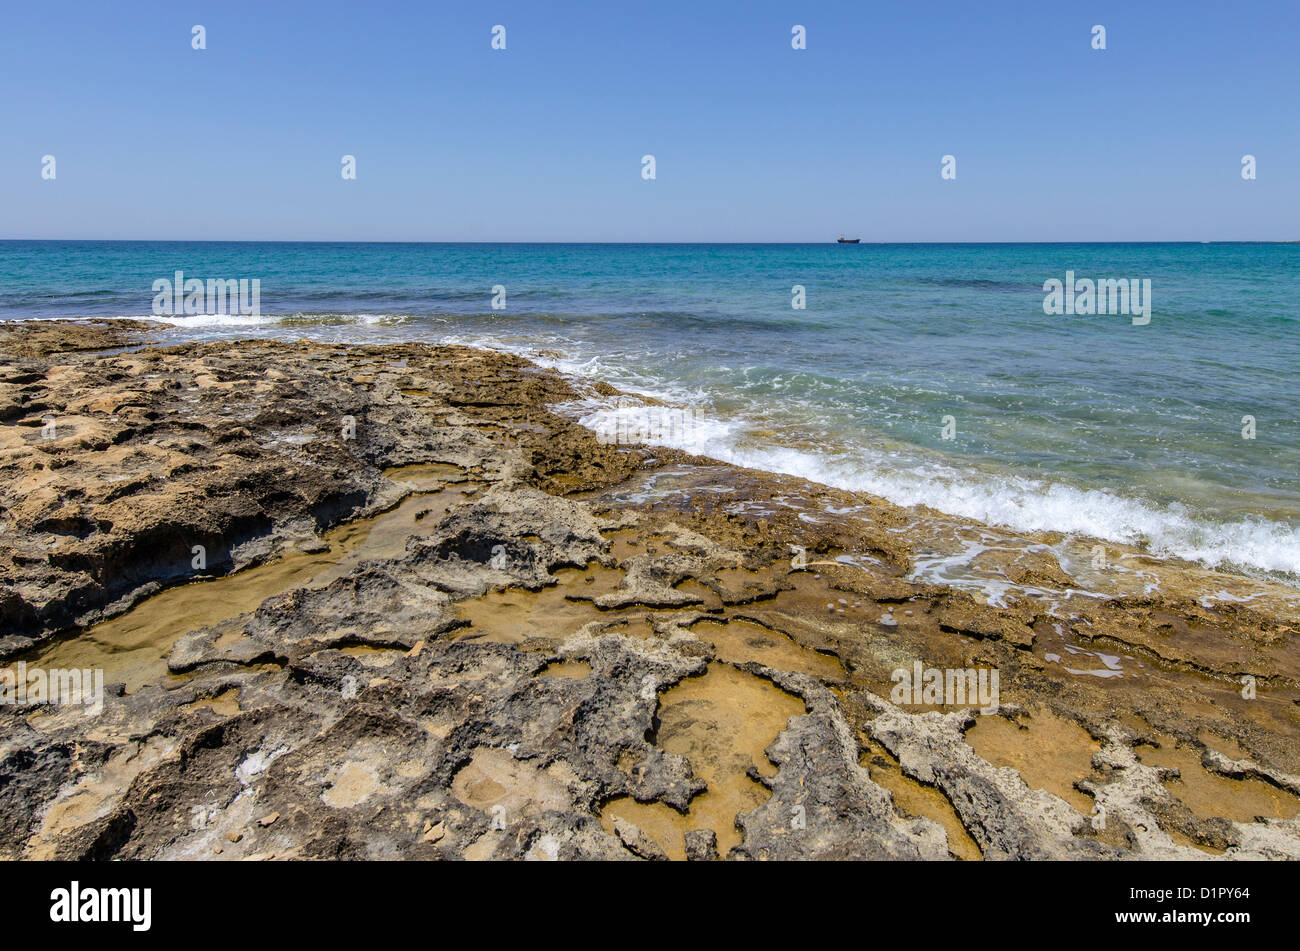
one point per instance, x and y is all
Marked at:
(1082, 424)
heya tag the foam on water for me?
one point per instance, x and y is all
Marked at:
(195, 321)
(1022, 504)
(244, 321)
(911, 478)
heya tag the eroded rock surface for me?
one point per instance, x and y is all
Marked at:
(579, 653)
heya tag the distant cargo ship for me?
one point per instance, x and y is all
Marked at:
(844, 240)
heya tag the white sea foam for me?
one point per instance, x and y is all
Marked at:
(906, 479)
(630, 420)
(239, 321)
(1022, 504)
(1015, 502)
(196, 321)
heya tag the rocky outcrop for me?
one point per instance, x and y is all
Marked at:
(578, 655)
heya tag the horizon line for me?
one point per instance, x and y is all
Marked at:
(860, 242)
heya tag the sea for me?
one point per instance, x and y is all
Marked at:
(928, 374)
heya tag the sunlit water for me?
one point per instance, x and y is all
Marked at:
(1082, 424)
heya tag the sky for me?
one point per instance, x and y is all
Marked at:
(753, 140)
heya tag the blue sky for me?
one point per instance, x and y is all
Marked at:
(753, 140)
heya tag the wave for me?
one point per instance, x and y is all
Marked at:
(1015, 502)
(206, 321)
(369, 320)
(904, 476)
(194, 321)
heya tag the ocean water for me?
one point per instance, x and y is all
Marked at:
(1084, 424)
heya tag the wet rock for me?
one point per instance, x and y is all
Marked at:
(824, 805)
(649, 582)
(1006, 818)
(637, 842)
(701, 845)
(362, 715)
(41, 338)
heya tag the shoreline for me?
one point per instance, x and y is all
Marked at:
(559, 596)
(1228, 527)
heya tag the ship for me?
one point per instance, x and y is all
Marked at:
(844, 240)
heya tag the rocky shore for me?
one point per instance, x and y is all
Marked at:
(391, 602)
